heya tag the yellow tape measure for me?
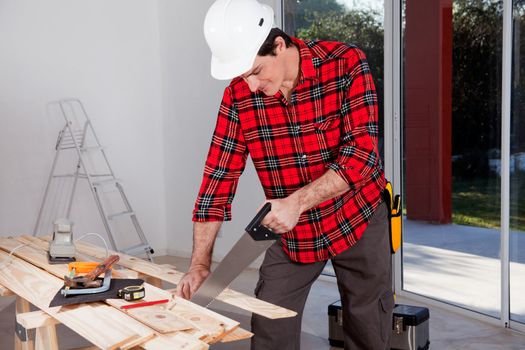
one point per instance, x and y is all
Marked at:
(132, 293)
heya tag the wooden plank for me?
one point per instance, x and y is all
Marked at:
(46, 338)
(238, 334)
(90, 321)
(169, 274)
(212, 324)
(35, 319)
(177, 340)
(38, 244)
(4, 292)
(160, 319)
(131, 262)
(22, 306)
(260, 307)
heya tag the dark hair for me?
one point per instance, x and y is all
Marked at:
(268, 47)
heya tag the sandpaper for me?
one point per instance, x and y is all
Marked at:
(111, 293)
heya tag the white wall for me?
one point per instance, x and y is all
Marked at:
(191, 99)
(142, 70)
(107, 54)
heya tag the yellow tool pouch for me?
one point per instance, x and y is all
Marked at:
(394, 216)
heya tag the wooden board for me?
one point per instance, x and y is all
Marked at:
(39, 244)
(181, 313)
(175, 341)
(4, 292)
(169, 274)
(90, 321)
(238, 334)
(38, 319)
(207, 322)
(35, 319)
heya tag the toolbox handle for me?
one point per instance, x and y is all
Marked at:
(257, 231)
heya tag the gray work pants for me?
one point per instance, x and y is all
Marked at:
(365, 284)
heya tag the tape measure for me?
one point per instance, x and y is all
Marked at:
(132, 293)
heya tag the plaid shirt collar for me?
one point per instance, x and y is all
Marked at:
(307, 66)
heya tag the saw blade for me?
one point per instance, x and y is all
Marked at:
(243, 253)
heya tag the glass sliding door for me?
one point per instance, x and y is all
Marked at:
(357, 22)
(452, 151)
(517, 167)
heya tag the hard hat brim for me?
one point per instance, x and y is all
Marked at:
(229, 70)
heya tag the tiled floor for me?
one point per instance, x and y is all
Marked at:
(447, 330)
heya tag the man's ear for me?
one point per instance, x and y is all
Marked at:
(279, 45)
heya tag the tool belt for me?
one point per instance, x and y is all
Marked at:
(393, 203)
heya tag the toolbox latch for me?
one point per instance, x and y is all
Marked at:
(398, 325)
(339, 318)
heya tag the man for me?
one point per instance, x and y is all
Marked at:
(306, 113)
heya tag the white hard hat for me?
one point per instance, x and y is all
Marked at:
(234, 31)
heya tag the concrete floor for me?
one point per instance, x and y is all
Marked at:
(448, 330)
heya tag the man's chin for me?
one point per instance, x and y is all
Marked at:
(268, 92)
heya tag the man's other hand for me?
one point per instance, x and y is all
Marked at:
(284, 214)
(191, 281)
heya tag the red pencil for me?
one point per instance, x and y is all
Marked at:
(145, 303)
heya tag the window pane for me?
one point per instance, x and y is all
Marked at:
(451, 145)
(358, 22)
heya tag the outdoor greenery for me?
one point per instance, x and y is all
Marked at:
(476, 92)
(329, 20)
(477, 202)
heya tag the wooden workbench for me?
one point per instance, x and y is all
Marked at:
(178, 324)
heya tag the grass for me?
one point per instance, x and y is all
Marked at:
(478, 203)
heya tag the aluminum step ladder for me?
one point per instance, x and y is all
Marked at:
(78, 139)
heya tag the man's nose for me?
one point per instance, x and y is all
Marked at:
(253, 83)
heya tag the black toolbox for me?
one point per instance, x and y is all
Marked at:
(409, 327)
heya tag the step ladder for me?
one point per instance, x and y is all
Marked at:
(77, 141)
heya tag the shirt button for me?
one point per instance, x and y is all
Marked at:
(304, 156)
(298, 128)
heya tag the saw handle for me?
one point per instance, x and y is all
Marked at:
(257, 231)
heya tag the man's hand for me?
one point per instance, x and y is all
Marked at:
(284, 214)
(286, 211)
(191, 281)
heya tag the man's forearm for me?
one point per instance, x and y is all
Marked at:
(324, 188)
(204, 234)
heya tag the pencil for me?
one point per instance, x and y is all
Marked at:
(145, 303)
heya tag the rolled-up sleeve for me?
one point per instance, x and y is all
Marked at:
(358, 154)
(224, 165)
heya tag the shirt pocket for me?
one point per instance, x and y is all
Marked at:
(328, 133)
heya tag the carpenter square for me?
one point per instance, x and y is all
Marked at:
(252, 243)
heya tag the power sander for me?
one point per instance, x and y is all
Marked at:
(61, 248)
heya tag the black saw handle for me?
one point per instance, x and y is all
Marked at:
(257, 231)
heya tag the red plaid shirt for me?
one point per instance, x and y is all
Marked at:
(329, 122)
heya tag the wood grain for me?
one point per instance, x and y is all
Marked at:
(163, 320)
(237, 334)
(90, 321)
(169, 274)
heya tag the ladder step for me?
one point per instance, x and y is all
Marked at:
(106, 182)
(124, 213)
(99, 175)
(68, 146)
(92, 148)
(82, 176)
(139, 248)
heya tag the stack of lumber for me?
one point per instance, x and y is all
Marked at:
(178, 324)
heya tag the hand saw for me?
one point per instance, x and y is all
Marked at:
(252, 243)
